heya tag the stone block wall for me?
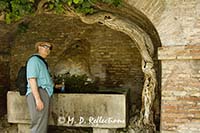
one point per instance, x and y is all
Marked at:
(180, 22)
(180, 104)
(4, 67)
(177, 21)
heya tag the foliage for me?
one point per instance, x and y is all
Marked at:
(15, 9)
(77, 83)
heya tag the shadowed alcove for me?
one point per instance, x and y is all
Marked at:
(94, 50)
(101, 52)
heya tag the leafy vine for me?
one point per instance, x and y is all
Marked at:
(17, 9)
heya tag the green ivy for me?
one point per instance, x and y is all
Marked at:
(3, 5)
(16, 9)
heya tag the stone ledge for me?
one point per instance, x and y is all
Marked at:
(75, 110)
(181, 52)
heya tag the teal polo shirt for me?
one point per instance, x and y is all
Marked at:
(36, 68)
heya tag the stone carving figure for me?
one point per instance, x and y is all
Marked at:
(74, 59)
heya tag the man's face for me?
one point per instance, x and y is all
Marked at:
(44, 49)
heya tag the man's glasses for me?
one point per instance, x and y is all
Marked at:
(46, 47)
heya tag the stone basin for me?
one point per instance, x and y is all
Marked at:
(106, 109)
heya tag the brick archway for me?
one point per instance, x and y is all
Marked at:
(144, 41)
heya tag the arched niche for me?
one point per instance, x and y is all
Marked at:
(140, 30)
(138, 27)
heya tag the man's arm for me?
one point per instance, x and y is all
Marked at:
(36, 95)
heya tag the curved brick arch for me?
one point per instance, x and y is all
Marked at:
(175, 21)
(145, 44)
(153, 9)
(157, 13)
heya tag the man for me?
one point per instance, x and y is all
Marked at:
(39, 88)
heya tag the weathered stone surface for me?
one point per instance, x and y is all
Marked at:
(79, 110)
(23, 128)
(186, 52)
(98, 130)
(180, 89)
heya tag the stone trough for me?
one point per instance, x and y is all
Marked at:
(103, 111)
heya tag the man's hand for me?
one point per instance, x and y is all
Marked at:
(36, 94)
(39, 105)
(58, 86)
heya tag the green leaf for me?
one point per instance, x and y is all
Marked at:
(3, 5)
(81, 1)
(86, 5)
(59, 8)
(51, 6)
(76, 1)
(8, 18)
(117, 2)
(69, 2)
(85, 10)
(23, 1)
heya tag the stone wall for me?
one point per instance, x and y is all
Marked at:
(177, 21)
(182, 21)
(4, 67)
(180, 89)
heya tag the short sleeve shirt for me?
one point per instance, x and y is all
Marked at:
(36, 68)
